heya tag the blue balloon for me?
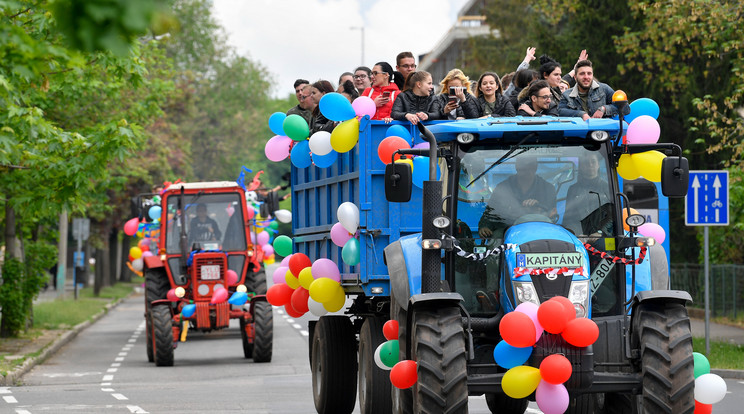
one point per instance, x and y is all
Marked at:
(336, 107)
(642, 106)
(238, 298)
(325, 161)
(508, 356)
(421, 171)
(398, 131)
(300, 154)
(155, 212)
(276, 120)
(188, 310)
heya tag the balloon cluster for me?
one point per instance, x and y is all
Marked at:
(643, 129)
(387, 356)
(239, 298)
(398, 137)
(293, 138)
(709, 388)
(520, 331)
(343, 233)
(148, 232)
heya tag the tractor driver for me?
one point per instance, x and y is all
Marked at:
(204, 228)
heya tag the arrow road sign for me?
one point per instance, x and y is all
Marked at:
(707, 201)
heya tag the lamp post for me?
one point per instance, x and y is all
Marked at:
(360, 28)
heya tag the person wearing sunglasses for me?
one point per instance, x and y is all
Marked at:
(383, 90)
(539, 100)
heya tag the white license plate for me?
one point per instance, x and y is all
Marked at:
(210, 272)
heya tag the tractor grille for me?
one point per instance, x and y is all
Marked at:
(582, 359)
(208, 273)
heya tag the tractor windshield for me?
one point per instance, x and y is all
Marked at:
(213, 222)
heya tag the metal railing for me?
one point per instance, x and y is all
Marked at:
(726, 286)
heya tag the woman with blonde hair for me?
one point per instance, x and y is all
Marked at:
(455, 100)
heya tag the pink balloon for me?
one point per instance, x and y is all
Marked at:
(551, 399)
(643, 130)
(263, 238)
(530, 309)
(325, 268)
(285, 263)
(277, 148)
(268, 250)
(232, 277)
(364, 105)
(339, 235)
(251, 213)
(171, 295)
(219, 296)
(653, 230)
(130, 227)
(147, 253)
(279, 274)
(253, 238)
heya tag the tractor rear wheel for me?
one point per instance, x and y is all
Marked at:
(504, 404)
(439, 350)
(255, 281)
(402, 399)
(374, 382)
(334, 365)
(162, 336)
(263, 327)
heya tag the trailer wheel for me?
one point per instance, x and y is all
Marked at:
(256, 281)
(247, 346)
(439, 349)
(662, 332)
(374, 383)
(503, 404)
(263, 323)
(162, 336)
(402, 399)
(334, 365)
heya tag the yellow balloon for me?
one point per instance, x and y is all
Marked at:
(521, 381)
(323, 289)
(406, 161)
(345, 136)
(269, 260)
(291, 280)
(259, 230)
(135, 252)
(626, 168)
(337, 302)
(648, 164)
(306, 278)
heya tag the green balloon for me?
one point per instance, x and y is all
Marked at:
(390, 353)
(274, 225)
(350, 252)
(296, 127)
(283, 246)
(700, 364)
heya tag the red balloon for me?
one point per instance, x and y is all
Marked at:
(219, 296)
(581, 332)
(171, 295)
(388, 146)
(292, 311)
(279, 295)
(555, 369)
(570, 310)
(299, 261)
(299, 300)
(232, 277)
(144, 245)
(552, 316)
(404, 375)
(390, 330)
(517, 329)
(701, 408)
(131, 226)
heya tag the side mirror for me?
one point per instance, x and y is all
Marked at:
(398, 182)
(675, 176)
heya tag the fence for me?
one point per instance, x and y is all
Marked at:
(726, 286)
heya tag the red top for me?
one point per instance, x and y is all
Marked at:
(375, 91)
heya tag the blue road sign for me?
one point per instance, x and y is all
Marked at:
(707, 200)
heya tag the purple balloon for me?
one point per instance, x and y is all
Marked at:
(325, 268)
(551, 399)
(364, 105)
(267, 249)
(263, 238)
(277, 148)
(422, 145)
(279, 274)
(643, 130)
(253, 237)
(339, 235)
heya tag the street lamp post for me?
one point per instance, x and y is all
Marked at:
(360, 28)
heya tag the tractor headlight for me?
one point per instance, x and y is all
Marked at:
(465, 138)
(526, 293)
(599, 136)
(579, 296)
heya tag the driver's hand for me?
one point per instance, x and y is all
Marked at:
(530, 202)
(485, 232)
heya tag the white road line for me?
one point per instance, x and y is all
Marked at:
(290, 320)
(119, 359)
(19, 411)
(112, 369)
(108, 378)
(119, 396)
(304, 333)
(136, 410)
(116, 364)
(132, 341)
(123, 354)
(107, 389)
(105, 384)
(10, 399)
(296, 326)
(5, 390)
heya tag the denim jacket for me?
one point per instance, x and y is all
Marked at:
(600, 94)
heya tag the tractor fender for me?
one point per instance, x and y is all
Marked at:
(661, 296)
(403, 260)
(659, 267)
(152, 262)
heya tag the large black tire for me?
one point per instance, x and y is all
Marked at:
(402, 399)
(662, 332)
(374, 382)
(247, 345)
(504, 404)
(156, 287)
(162, 336)
(255, 281)
(438, 344)
(334, 365)
(263, 324)
(148, 329)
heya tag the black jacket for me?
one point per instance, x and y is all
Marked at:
(408, 102)
(502, 107)
(468, 109)
(552, 110)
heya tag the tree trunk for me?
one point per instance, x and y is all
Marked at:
(12, 244)
(98, 281)
(62, 254)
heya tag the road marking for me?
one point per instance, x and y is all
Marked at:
(112, 369)
(19, 411)
(10, 399)
(107, 389)
(119, 359)
(131, 341)
(136, 410)
(71, 374)
(304, 333)
(119, 396)
(296, 326)
(116, 364)
(123, 354)
(105, 384)
(5, 390)
(108, 378)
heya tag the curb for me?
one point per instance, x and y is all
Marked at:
(728, 373)
(62, 340)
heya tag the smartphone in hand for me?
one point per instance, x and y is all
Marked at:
(386, 95)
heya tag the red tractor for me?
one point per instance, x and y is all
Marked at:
(204, 256)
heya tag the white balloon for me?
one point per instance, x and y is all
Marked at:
(378, 360)
(709, 388)
(316, 308)
(284, 216)
(138, 264)
(251, 196)
(348, 216)
(320, 143)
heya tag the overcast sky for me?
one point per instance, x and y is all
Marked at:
(313, 39)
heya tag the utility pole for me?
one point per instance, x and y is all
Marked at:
(360, 28)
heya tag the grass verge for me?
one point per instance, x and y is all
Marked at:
(722, 355)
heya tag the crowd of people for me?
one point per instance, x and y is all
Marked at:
(405, 94)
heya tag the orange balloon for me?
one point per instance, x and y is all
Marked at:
(625, 216)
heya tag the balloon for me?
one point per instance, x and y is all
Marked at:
(284, 216)
(262, 238)
(316, 308)
(171, 295)
(653, 230)
(388, 146)
(581, 332)
(299, 261)
(519, 382)
(269, 260)
(135, 252)
(555, 369)
(378, 360)
(568, 306)
(517, 329)
(339, 235)
(345, 136)
(398, 131)
(283, 245)
(267, 249)
(508, 356)
(404, 375)
(326, 268)
(701, 364)
(155, 212)
(300, 155)
(306, 277)
(276, 120)
(130, 227)
(530, 309)
(648, 164)
(642, 107)
(219, 296)
(709, 388)
(625, 217)
(144, 245)
(238, 299)
(701, 408)
(279, 295)
(291, 311)
(390, 330)
(348, 216)
(336, 107)
(322, 290)
(278, 275)
(277, 148)
(643, 130)
(552, 399)
(626, 168)
(364, 105)
(273, 226)
(350, 253)
(390, 353)
(299, 300)
(408, 161)
(232, 277)
(138, 264)
(337, 301)
(296, 127)
(147, 253)
(285, 261)
(421, 145)
(188, 310)
(291, 280)
(230, 211)
(421, 171)
(324, 161)
(251, 213)
(552, 316)
(320, 143)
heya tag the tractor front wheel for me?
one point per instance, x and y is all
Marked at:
(504, 404)
(162, 327)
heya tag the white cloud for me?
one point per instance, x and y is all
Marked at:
(313, 39)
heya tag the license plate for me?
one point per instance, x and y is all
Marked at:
(210, 272)
(543, 260)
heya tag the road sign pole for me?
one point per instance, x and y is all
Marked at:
(707, 293)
